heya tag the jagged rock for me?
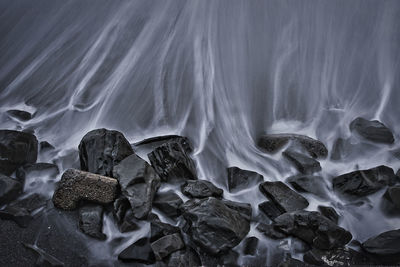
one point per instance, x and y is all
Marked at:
(250, 245)
(243, 208)
(392, 198)
(155, 142)
(309, 184)
(172, 163)
(337, 257)
(329, 213)
(239, 179)
(285, 199)
(10, 189)
(270, 209)
(19, 114)
(169, 203)
(140, 252)
(184, 258)
(270, 231)
(374, 131)
(124, 215)
(100, 150)
(213, 225)
(166, 245)
(47, 168)
(274, 142)
(292, 263)
(303, 164)
(139, 183)
(313, 228)
(200, 189)
(91, 221)
(44, 259)
(364, 182)
(16, 149)
(76, 185)
(159, 229)
(384, 244)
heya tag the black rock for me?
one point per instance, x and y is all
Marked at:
(270, 209)
(155, 142)
(313, 228)
(159, 229)
(200, 189)
(45, 146)
(243, 208)
(44, 259)
(364, 182)
(274, 142)
(100, 150)
(10, 189)
(239, 179)
(392, 198)
(270, 231)
(16, 149)
(184, 258)
(213, 225)
(41, 167)
(19, 114)
(172, 163)
(250, 245)
(384, 244)
(91, 221)
(329, 213)
(124, 216)
(168, 202)
(303, 164)
(166, 245)
(228, 258)
(374, 131)
(140, 252)
(285, 199)
(309, 184)
(337, 257)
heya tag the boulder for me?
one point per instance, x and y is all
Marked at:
(19, 114)
(159, 229)
(76, 185)
(250, 245)
(309, 184)
(139, 252)
(91, 221)
(337, 257)
(16, 149)
(329, 213)
(303, 164)
(155, 142)
(270, 209)
(10, 189)
(239, 179)
(100, 150)
(124, 216)
(384, 244)
(43, 258)
(200, 189)
(169, 203)
(166, 245)
(374, 130)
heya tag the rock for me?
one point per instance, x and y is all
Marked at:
(155, 142)
(374, 131)
(384, 244)
(285, 199)
(392, 198)
(124, 216)
(213, 225)
(172, 163)
(159, 229)
(140, 252)
(274, 142)
(139, 183)
(292, 263)
(270, 209)
(169, 203)
(337, 257)
(10, 189)
(16, 149)
(309, 184)
(184, 258)
(239, 179)
(243, 208)
(302, 163)
(250, 246)
(200, 189)
(44, 259)
(364, 182)
(76, 185)
(270, 231)
(91, 221)
(19, 114)
(341, 149)
(100, 150)
(166, 245)
(313, 228)
(45, 146)
(329, 213)
(46, 168)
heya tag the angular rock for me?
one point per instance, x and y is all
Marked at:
(309, 184)
(239, 179)
(213, 225)
(139, 183)
(329, 213)
(392, 198)
(270, 231)
(337, 257)
(285, 199)
(10, 189)
(16, 149)
(41, 167)
(374, 131)
(384, 244)
(160, 229)
(76, 185)
(270, 209)
(124, 215)
(364, 182)
(200, 189)
(100, 150)
(44, 259)
(91, 221)
(169, 203)
(155, 142)
(303, 164)
(166, 245)
(172, 163)
(140, 252)
(250, 245)
(313, 228)
(243, 208)
(19, 114)
(184, 258)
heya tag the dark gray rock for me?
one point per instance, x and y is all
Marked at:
(91, 221)
(337, 257)
(243, 208)
(140, 252)
(100, 150)
(228, 258)
(169, 203)
(303, 164)
(155, 142)
(329, 213)
(270, 209)
(10, 189)
(285, 199)
(36, 168)
(45, 146)
(250, 245)
(309, 184)
(124, 216)
(239, 179)
(392, 198)
(374, 131)
(16, 149)
(44, 259)
(166, 245)
(159, 229)
(213, 225)
(291, 263)
(19, 114)
(270, 231)
(139, 183)
(184, 258)
(200, 189)
(341, 149)
(384, 244)
(76, 185)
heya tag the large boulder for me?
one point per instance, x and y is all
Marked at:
(100, 150)
(239, 179)
(303, 164)
(200, 189)
(91, 221)
(16, 149)
(374, 131)
(384, 244)
(168, 202)
(138, 252)
(309, 184)
(10, 189)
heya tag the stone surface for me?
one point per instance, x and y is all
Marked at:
(329, 213)
(200, 189)
(140, 252)
(155, 142)
(19, 114)
(392, 198)
(166, 245)
(91, 221)
(243, 208)
(16, 149)
(43, 258)
(250, 245)
(169, 203)
(309, 184)
(184, 258)
(270, 209)
(124, 216)
(374, 130)
(10, 189)
(337, 257)
(139, 183)
(239, 179)
(384, 244)
(270, 231)
(159, 229)
(76, 185)
(100, 150)
(303, 164)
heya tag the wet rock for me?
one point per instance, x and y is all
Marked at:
(374, 131)
(100, 150)
(270, 231)
(184, 258)
(10, 189)
(341, 149)
(313, 228)
(44, 259)
(140, 252)
(155, 142)
(169, 203)
(292, 263)
(309, 184)
(76, 185)
(45, 146)
(239, 179)
(172, 163)
(392, 199)
(19, 114)
(243, 208)
(16, 149)
(228, 258)
(285, 199)
(159, 229)
(250, 245)
(270, 209)
(213, 225)
(124, 216)
(364, 182)
(200, 189)
(41, 167)
(166, 245)
(303, 164)
(139, 183)
(274, 142)
(384, 244)
(91, 221)
(329, 213)
(337, 257)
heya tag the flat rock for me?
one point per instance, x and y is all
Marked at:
(156, 141)
(124, 216)
(19, 114)
(309, 184)
(239, 179)
(270, 209)
(200, 189)
(166, 245)
(76, 185)
(270, 231)
(329, 213)
(17, 149)
(159, 229)
(100, 150)
(374, 130)
(91, 221)
(43, 258)
(303, 164)
(384, 244)
(337, 257)
(140, 252)
(169, 203)
(10, 189)
(250, 245)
